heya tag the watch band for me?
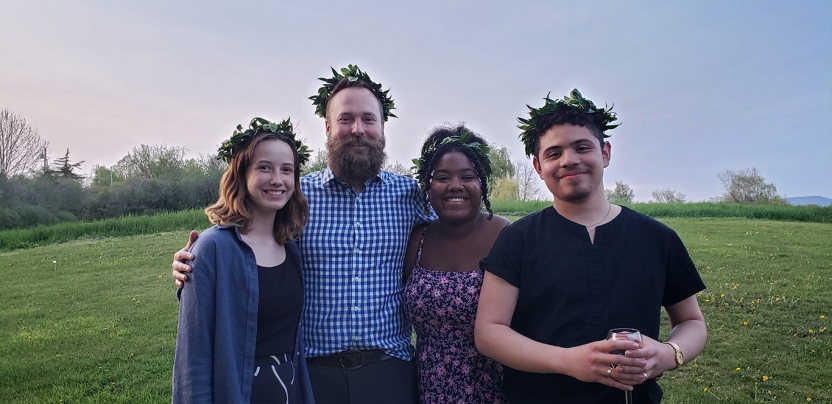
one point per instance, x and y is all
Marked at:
(678, 357)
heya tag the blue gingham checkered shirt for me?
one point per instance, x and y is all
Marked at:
(352, 251)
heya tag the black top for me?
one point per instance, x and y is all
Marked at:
(571, 291)
(278, 314)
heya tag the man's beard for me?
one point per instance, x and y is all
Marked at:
(354, 165)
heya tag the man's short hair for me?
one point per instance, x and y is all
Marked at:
(573, 109)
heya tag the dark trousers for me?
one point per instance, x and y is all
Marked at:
(389, 381)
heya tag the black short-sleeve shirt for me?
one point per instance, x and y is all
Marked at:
(571, 291)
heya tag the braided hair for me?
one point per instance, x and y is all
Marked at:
(433, 150)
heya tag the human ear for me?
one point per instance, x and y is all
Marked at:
(537, 168)
(606, 153)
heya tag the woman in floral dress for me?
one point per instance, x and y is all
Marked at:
(442, 270)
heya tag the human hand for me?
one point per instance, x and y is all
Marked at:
(652, 353)
(591, 363)
(179, 266)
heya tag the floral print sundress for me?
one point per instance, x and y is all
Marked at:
(442, 306)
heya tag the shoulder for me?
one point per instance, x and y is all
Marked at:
(215, 237)
(415, 237)
(416, 233)
(495, 225)
(645, 222)
(498, 221)
(402, 181)
(311, 179)
(531, 220)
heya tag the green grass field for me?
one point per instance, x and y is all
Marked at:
(98, 325)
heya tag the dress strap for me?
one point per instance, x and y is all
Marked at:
(419, 251)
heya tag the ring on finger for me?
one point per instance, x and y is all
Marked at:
(645, 375)
(609, 371)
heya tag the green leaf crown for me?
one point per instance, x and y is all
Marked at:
(353, 74)
(601, 117)
(240, 137)
(482, 150)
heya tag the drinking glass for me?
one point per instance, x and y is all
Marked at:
(628, 334)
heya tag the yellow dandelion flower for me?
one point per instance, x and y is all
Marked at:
(822, 317)
(765, 378)
(705, 389)
(722, 295)
(777, 299)
(811, 331)
(738, 369)
(745, 323)
(808, 398)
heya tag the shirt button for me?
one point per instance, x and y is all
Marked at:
(354, 308)
(357, 224)
(357, 250)
(356, 279)
(356, 338)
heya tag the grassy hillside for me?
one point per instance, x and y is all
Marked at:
(94, 320)
(195, 219)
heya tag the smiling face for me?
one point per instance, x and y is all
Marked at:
(270, 178)
(571, 162)
(355, 134)
(455, 192)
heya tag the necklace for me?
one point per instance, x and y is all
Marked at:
(609, 208)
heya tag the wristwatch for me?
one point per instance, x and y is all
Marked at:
(680, 359)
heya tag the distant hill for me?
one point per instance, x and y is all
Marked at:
(809, 200)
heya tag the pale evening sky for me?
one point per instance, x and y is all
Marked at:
(699, 87)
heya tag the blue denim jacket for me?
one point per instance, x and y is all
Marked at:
(217, 333)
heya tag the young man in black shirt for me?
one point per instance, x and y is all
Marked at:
(556, 281)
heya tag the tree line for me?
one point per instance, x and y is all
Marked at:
(159, 178)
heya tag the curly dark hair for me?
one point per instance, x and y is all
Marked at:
(573, 109)
(432, 152)
(567, 116)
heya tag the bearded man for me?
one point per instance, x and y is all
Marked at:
(358, 341)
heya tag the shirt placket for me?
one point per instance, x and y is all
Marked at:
(356, 275)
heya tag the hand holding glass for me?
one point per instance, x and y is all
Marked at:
(625, 334)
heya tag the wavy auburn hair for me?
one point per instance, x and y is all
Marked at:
(233, 207)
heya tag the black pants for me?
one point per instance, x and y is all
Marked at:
(389, 381)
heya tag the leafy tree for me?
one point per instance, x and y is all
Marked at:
(501, 164)
(747, 186)
(668, 196)
(317, 163)
(20, 145)
(398, 168)
(504, 188)
(211, 165)
(103, 176)
(622, 193)
(65, 169)
(527, 182)
(152, 162)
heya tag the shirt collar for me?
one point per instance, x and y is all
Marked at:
(328, 176)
